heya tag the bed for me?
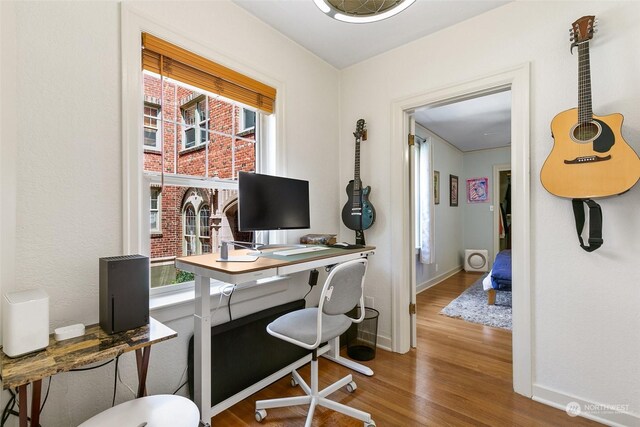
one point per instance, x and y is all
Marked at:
(499, 278)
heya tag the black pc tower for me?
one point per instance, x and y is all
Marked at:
(124, 292)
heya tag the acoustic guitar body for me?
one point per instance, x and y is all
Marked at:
(589, 162)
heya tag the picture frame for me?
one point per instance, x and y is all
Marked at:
(436, 187)
(478, 190)
(453, 190)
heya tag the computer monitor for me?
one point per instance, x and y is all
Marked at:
(267, 202)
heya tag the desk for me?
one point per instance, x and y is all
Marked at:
(205, 267)
(62, 356)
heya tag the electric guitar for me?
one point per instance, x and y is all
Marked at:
(358, 213)
(589, 156)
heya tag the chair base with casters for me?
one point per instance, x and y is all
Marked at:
(309, 327)
(315, 397)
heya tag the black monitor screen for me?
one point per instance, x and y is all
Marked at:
(268, 202)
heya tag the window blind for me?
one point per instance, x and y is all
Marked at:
(161, 57)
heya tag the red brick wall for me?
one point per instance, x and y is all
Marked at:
(169, 242)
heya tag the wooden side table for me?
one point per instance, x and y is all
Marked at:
(62, 356)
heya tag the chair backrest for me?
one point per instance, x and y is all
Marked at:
(344, 287)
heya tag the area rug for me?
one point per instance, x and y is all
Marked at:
(472, 306)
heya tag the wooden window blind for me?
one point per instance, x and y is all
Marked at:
(171, 61)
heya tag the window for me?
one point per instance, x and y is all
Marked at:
(247, 120)
(151, 134)
(197, 114)
(204, 235)
(156, 201)
(196, 217)
(196, 124)
(189, 243)
(425, 202)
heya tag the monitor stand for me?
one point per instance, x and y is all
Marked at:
(224, 252)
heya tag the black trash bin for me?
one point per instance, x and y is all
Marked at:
(362, 337)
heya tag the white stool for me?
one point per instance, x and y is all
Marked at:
(163, 410)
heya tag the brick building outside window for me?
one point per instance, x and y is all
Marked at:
(190, 133)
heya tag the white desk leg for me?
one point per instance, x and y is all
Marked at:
(202, 349)
(334, 355)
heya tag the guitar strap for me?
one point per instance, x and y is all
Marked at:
(595, 223)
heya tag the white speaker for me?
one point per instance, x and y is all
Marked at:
(476, 260)
(25, 321)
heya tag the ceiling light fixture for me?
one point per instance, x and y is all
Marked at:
(362, 11)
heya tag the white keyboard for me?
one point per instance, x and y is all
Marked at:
(297, 251)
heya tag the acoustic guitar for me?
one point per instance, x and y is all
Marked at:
(358, 213)
(589, 156)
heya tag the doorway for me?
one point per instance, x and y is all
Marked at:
(502, 215)
(516, 79)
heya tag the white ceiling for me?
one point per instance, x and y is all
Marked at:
(473, 124)
(342, 44)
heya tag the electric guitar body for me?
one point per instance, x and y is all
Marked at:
(589, 158)
(594, 161)
(361, 217)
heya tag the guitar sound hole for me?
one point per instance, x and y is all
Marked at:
(586, 131)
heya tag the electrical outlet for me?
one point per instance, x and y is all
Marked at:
(436, 267)
(368, 302)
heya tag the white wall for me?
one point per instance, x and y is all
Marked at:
(65, 80)
(478, 218)
(585, 305)
(448, 240)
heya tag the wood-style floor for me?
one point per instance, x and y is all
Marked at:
(459, 375)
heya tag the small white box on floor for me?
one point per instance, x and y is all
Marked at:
(476, 260)
(25, 321)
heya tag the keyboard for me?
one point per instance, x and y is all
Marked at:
(297, 251)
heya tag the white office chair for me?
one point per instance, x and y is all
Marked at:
(309, 327)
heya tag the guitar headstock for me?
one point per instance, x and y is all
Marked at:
(582, 30)
(361, 131)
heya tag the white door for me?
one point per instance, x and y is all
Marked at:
(413, 168)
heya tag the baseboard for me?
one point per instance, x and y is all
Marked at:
(439, 278)
(617, 416)
(384, 343)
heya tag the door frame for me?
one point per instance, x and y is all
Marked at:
(518, 80)
(496, 204)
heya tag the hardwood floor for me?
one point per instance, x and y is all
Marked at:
(459, 375)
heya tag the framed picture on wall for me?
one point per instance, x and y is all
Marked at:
(453, 190)
(436, 187)
(478, 190)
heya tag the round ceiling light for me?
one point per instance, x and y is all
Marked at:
(362, 11)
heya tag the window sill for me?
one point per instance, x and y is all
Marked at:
(149, 150)
(248, 131)
(169, 306)
(192, 149)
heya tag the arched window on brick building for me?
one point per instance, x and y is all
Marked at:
(196, 214)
